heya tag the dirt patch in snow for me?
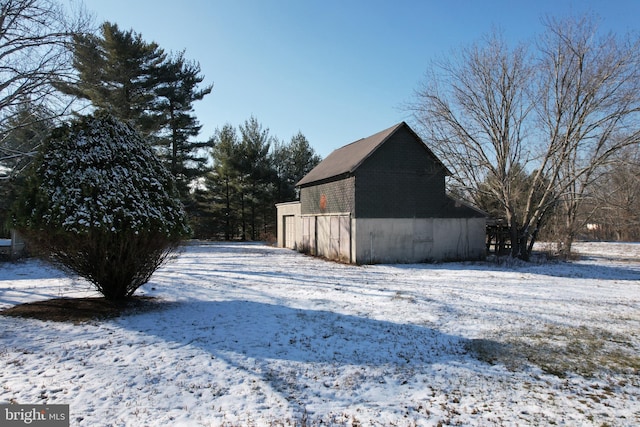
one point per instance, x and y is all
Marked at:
(82, 309)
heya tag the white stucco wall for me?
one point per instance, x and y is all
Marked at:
(407, 240)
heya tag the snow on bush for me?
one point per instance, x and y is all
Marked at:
(100, 203)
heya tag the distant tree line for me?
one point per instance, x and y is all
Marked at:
(611, 205)
(53, 66)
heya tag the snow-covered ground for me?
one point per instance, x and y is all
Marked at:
(259, 336)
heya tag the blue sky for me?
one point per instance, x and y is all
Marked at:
(336, 70)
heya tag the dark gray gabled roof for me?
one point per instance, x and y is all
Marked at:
(347, 159)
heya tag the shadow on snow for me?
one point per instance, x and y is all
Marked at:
(265, 331)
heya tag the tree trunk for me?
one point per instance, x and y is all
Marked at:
(244, 220)
(519, 243)
(567, 238)
(227, 223)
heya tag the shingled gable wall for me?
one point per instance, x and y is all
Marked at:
(333, 197)
(391, 208)
(400, 180)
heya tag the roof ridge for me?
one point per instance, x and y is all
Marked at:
(348, 158)
(372, 135)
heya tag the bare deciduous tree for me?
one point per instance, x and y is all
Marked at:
(473, 110)
(589, 109)
(560, 114)
(34, 35)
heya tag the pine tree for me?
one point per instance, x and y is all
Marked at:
(178, 91)
(249, 173)
(137, 82)
(118, 73)
(292, 162)
(225, 180)
(257, 176)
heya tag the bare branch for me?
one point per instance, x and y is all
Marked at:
(584, 90)
(34, 39)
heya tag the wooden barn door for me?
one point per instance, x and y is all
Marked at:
(340, 235)
(309, 235)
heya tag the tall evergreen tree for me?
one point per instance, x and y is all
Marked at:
(118, 73)
(292, 162)
(257, 175)
(137, 82)
(249, 169)
(224, 181)
(178, 90)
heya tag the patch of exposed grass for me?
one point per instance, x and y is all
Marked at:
(302, 420)
(79, 310)
(561, 350)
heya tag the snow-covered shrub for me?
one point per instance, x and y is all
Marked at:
(100, 203)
